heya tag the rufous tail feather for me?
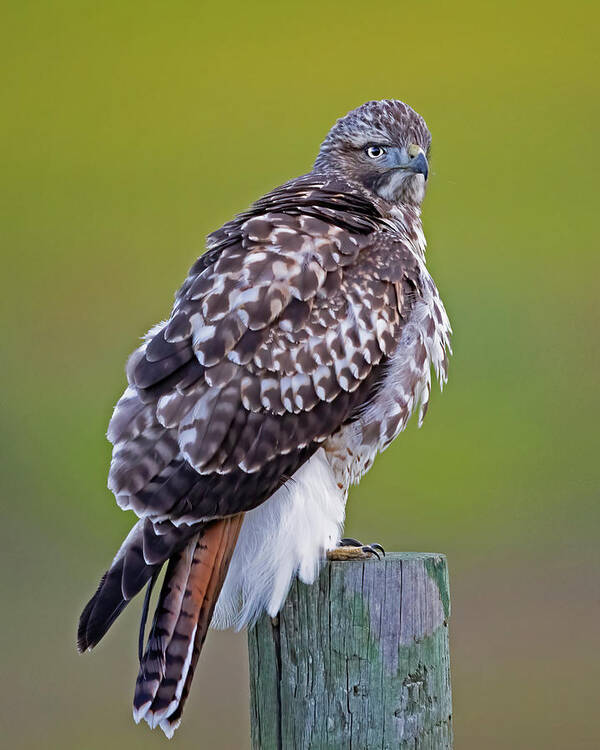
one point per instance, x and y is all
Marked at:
(186, 603)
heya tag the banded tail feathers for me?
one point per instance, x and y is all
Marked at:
(195, 574)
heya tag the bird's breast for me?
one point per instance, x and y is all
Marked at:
(406, 386)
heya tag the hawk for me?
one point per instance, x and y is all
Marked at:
(298, 347)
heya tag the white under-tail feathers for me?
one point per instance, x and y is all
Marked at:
(288, 534)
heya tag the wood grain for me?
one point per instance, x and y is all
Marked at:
(360, 659)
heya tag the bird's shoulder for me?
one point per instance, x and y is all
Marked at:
(325, 218)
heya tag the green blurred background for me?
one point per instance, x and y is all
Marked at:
(129, 131)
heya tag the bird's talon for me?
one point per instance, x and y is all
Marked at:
(349, 541)
(351, 549)
(369, 549)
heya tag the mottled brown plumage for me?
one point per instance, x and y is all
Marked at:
(307, 328)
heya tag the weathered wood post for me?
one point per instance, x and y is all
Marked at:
(360, 659)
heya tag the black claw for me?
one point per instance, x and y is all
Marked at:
(370, 548)
(348, 541)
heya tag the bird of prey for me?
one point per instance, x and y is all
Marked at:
(298, 347)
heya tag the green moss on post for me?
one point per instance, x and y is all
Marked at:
(360, 659)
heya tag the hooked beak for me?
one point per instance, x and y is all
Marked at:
(417, 162)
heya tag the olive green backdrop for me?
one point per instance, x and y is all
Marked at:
(131, 129)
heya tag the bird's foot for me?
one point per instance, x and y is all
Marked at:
(352, 549)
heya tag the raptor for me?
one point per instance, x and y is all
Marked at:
(299, 345)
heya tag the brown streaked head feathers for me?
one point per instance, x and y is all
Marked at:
(395, 129)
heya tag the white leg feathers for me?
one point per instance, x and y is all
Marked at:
(287, 535)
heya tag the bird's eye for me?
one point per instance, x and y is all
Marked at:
(375, 152)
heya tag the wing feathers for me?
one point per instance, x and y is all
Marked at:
(127, 575)
(287, 314)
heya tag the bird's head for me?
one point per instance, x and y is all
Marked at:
(383, 146)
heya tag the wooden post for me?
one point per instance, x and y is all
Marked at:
(360, 659)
